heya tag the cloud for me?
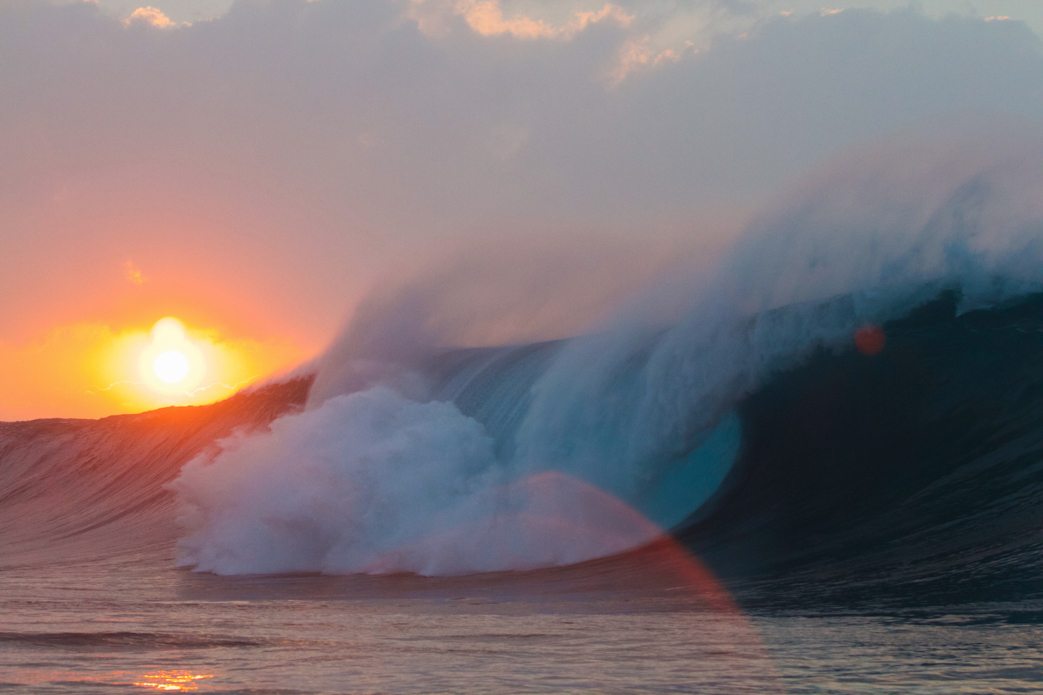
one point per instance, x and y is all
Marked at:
(486, 17)
(641, 53)
(151, 16)
(134, 275)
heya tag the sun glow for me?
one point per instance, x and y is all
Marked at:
(92, 370)
(172, 363)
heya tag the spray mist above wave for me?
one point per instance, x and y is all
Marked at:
(532, 456)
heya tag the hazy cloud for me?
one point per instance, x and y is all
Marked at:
(149, 15)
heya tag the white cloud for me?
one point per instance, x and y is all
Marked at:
(486, 17)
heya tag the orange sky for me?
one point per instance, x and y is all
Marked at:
(93, 277)
(71, 348)
(93, 370)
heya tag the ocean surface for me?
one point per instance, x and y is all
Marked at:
(136, 625)
(824, 475)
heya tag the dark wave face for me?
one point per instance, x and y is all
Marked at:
(916, 473)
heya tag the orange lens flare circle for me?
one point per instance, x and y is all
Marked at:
(171, 364)
(870, 339)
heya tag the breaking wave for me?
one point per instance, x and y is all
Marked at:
(754, 427)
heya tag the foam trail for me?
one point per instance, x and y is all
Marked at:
(384, 473)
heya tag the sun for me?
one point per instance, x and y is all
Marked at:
(172, 364)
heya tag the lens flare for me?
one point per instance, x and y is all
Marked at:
(870, 339)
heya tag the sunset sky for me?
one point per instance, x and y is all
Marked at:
(254, 169)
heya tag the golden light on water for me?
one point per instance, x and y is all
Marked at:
(171, 680)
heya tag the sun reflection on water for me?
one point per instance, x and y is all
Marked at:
(171, 680)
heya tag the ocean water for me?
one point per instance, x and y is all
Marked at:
(128, 627)
(825, 475)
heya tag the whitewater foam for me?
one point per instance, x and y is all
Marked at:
(373, 482)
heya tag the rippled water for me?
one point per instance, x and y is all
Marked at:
(135, 625)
